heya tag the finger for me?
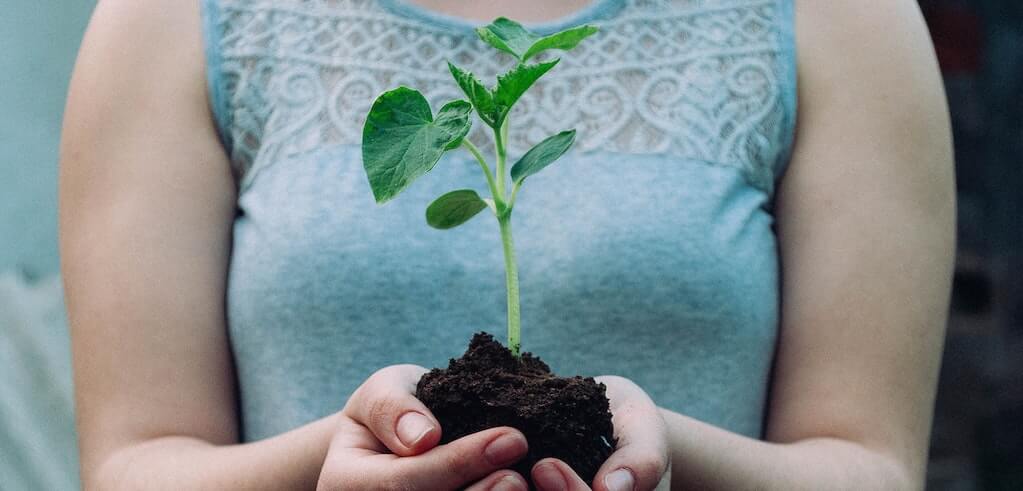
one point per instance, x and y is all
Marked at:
(501, 481)
(640, 459)
(555, 475)
(387, 406)
(463, 461)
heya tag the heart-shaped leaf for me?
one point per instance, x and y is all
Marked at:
(509, 36)
(454, 209)
(401, 139)
(542, 155)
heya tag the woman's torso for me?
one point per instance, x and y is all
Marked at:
(646, 252)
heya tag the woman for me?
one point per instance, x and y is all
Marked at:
(770, 295)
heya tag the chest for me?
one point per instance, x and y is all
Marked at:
(595, 232)
(670, 78)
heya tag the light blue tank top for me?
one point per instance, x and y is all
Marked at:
(647, 251)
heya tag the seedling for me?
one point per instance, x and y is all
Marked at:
(403, 140)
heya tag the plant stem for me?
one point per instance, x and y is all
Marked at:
(504, 130)
(486, 168)
(511, 270)
(500, 137)
(512, 283)
(514, 191)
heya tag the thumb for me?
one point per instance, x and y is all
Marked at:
(387, 406)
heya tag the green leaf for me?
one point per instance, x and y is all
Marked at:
(509, 36)
(513, 84)
(564, 40)
(454, 209)
(542, 155)
(494, 105)
(401, 140)
(479, 95)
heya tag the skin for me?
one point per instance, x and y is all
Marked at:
(865, 227)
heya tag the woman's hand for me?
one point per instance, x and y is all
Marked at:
(641, 461)
(387, 439)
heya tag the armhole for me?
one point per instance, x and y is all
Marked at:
(212, 32)
(789, 78)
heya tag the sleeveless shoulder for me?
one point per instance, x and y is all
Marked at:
(708, 81)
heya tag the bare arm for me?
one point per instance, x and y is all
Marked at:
(147, 202)
(865, 222)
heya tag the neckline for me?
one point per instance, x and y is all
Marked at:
(595, 10)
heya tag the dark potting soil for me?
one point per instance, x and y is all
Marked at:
(567, 418)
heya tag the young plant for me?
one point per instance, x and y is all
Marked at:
(403, 140)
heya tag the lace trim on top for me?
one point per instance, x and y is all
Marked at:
(713, 82)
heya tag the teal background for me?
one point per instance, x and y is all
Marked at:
(38, 43)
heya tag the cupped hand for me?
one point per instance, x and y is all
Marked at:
(640, 463)
(387, 439)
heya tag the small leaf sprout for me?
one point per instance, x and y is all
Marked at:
(402, 140)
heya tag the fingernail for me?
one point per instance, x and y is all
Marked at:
(547, 477)
(508, 483)
(412, 427)
(505, 449)
(620, 480)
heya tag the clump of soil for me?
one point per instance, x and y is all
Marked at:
(566, 418)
